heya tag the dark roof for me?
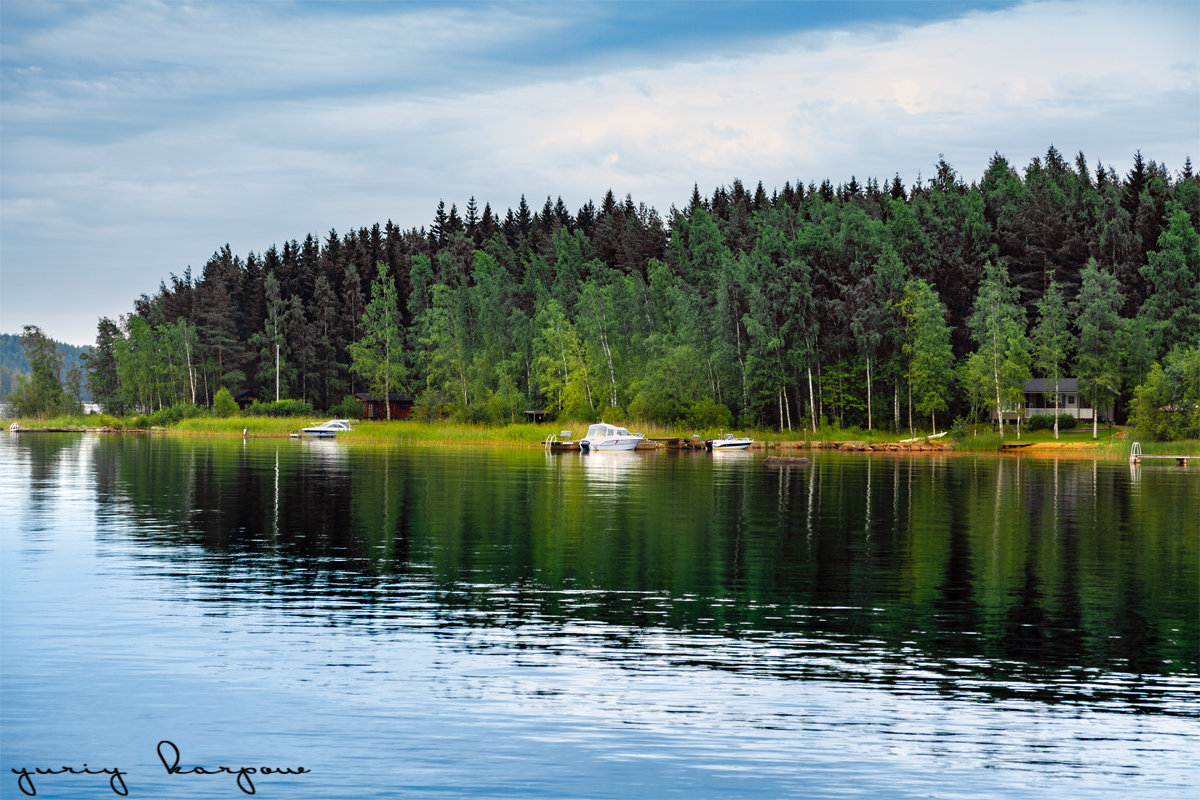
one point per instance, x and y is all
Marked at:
(240, 393)
(393, 397)
(1044, 385)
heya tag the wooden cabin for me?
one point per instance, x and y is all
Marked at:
(245, 398)
(374, 408)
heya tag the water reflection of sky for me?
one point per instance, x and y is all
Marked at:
(428, 679)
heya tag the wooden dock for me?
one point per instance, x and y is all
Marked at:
(1136, 456)
(678, 442)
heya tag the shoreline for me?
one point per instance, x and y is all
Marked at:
(1065, 450)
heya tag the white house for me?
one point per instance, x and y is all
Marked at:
(1039, 399)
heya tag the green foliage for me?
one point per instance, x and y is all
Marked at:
(708, 414)
(560, 366)
(1045, 422)
(1166, 405)
(152, 362)
(223, 403)
(959, 430)
(173, 415)
(41, 394)
(931, 361)
(430, 406)
(274, 368)
(999, 367)
(350, 407)
(1097, 365)
(778, 306)
(102, 375)
(281, 408)
(1052, 341)
(14, 360)
(378, 355)
(1173, 277)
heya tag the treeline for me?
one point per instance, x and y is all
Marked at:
(857, 304)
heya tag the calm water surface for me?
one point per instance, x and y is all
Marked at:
(492, 623)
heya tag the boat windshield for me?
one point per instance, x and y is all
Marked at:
(603, 430)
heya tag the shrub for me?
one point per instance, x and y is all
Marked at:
(281, 408)
(349, 408)
(173, 414)
(707, 414)
(223, 404)
(959, 431)
(1045, 422)
(430, 406)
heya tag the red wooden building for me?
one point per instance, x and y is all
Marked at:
(373, 407)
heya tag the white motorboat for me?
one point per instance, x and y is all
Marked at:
(603, 436)
(728, 442)
(327, 429)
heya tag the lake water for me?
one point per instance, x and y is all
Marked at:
(444, 622)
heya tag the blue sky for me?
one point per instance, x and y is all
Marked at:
(136, 138)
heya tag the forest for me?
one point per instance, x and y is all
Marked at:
(869, 305)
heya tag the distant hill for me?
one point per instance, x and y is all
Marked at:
(13, 363)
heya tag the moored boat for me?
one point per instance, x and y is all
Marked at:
(326, 430)
(603, 436)
(728, 442)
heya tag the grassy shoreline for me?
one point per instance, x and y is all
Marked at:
(1112, 443)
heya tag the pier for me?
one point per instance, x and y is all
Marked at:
(1136, 456)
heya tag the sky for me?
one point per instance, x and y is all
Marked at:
(137, 138)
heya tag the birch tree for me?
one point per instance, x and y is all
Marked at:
(377, 355)
(930, 359)
(1053, 341)
(998, 328)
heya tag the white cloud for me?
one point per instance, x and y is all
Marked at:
(142, 137)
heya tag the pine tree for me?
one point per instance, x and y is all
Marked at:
(472, 219)
(437, 230)
(101, 364)
(1172, 276)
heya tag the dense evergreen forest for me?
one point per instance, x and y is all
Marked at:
(14, 363)
(854, 305)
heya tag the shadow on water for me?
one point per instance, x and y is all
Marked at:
(978, 577)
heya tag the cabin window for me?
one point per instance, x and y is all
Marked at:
(1070, 399)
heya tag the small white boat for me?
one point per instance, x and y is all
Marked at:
(728, 442)
(326, 430)
(603, 436)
